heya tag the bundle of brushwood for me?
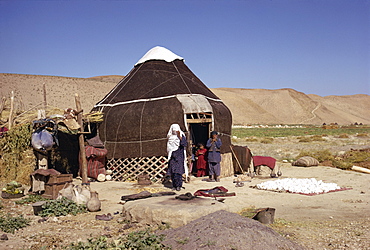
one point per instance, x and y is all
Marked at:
(94, 116)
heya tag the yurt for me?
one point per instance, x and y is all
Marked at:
(160, 90)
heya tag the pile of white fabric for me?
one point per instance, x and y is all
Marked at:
(294, 185)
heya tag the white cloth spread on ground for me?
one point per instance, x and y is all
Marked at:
(173, 143)
(294, 185)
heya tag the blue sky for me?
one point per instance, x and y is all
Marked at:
(316, 47)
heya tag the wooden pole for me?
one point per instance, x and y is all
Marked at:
(10, 122)
(237, 160)
(2, 104)
(44, 90)
(361, 169)
(81, 142)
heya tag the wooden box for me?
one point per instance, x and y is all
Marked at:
(55, 183)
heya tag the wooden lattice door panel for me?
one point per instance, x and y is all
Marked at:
(128, 169)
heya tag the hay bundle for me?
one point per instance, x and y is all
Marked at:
(17, 159)
(95, 116)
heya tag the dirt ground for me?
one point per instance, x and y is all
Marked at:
(338, 220)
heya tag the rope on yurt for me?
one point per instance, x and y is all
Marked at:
(129, 76)
(181, 77)
(120, 122)
(157, 86)
(141, 123)
(154, 99)
(123, 142)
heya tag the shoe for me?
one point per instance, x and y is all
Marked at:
(185, 197)
(106, 217)
(178, 189)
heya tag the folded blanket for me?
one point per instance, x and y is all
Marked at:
(264, 160)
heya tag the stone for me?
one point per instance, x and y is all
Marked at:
(4, 237)
(169, 210)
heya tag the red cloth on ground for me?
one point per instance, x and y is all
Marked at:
(264, 160)
(201, 162)
(95, 161)
(3, 131)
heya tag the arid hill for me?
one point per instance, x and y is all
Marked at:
(248, 106)
(288, 106)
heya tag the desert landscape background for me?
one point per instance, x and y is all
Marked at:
(248, 106)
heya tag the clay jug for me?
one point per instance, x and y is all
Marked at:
(94, 203)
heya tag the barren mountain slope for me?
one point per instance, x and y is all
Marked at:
(60, 91)
(288, 106)
(349, 108)
(248, 106)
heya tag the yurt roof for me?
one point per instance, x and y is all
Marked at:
(159, 53)
(159, 74)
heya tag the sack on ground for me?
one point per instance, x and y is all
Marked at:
(306, 161)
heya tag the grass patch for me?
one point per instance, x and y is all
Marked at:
(317, 138)
(32, 198)
(9, 224)
(183, 241)
(320, 155)
(362, 135)
(294, 131)
(251, 139)
(267, 140)
(304, 139)
(135, 240)
(345, 161)
(343, 136)
(248, 212)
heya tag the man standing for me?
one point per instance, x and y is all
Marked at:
(214, 156)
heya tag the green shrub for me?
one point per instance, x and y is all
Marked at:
(145, 240)
(61, 207)
(356, 156)
(32, 198)
(97, 243)
(267, 140)
(343, 136)
(304, 139)
(320, 155)
(9, 224)
(248, 212)
(342, 164)
(251, 139)
(142, 240)
(317, 138)
(362, 135)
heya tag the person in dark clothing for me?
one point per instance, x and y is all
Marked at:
(214, 156)
(176, 149)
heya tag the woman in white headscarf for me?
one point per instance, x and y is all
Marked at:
(176, 149)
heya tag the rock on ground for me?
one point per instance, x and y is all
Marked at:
(170, 211)
(225, 230)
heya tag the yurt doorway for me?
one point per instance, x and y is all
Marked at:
(199, 132)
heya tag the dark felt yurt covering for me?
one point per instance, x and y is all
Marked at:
(156, 93)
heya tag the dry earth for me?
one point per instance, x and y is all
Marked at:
(339, 220)
(248, 106)
(288, 106)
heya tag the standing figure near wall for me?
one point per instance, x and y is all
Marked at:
(201, 161)
(176, 149)
(214, 156)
